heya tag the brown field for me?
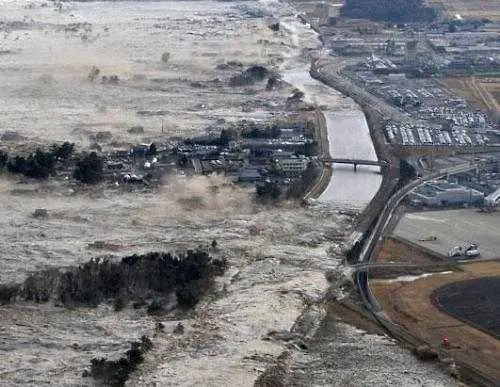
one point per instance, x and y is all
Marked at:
(484, 93)
(409, 305)
(397, 251)
(469, 8)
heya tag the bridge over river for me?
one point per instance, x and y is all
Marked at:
(354, 162)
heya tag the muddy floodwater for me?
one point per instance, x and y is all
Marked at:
(278, 255)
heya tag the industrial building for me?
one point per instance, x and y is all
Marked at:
(442, 193)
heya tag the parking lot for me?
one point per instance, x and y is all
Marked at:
(440, 231)
(449, 120)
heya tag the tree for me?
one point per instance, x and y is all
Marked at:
(153, 149)
(38, 165)
(93, 73)
(165, 57)
(4, 157)
(214, 244)
(62, 152)
(226, 136)
(270, 190)
(396, 11)
(89, 169)
(17, 165)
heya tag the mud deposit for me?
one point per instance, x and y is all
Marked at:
(277, 255)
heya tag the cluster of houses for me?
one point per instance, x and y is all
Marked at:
(247, 159)
(252, 160)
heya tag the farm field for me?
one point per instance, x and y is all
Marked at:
(477, 9)
(472, 301)
(483, 92)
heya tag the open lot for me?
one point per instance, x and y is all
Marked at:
(409, 304)
(440, 231)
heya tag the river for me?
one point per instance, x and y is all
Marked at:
(348, 132)
(348, 137)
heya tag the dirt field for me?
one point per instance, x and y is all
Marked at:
(394, 250)
(467, 8)
(408, 303)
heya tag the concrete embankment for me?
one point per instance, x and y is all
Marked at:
(321, 136)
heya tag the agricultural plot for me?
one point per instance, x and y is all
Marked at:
(466, 8)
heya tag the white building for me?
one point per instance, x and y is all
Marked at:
(292, 164)
(442, 193)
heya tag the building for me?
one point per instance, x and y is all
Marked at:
(294, 165)
(442, 193)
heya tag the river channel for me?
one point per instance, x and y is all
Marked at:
(348, 137)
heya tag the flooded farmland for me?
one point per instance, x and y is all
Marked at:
(277, 255)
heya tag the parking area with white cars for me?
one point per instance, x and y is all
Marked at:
(408, 134)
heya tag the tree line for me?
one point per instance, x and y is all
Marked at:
(88, 168)
(396, 11)
(154, 275)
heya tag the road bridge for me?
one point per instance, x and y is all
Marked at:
(354, 162)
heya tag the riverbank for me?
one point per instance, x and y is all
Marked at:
(321, 136)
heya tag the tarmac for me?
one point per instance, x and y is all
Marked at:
(440, 231)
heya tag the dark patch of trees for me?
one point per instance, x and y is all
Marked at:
(296, 97)
(4, 157)
(274, 26)
(251, 75)
(39, 165)
(8, 293)
(152, 150)
(310, 148)
(303, 184)
(395, 11)
(254, 131)
(268, 191)
(407, 172)
(272, 83)
(64, 151)
(116, 372)
(226, 136)
(134, 277)
(89, 169)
